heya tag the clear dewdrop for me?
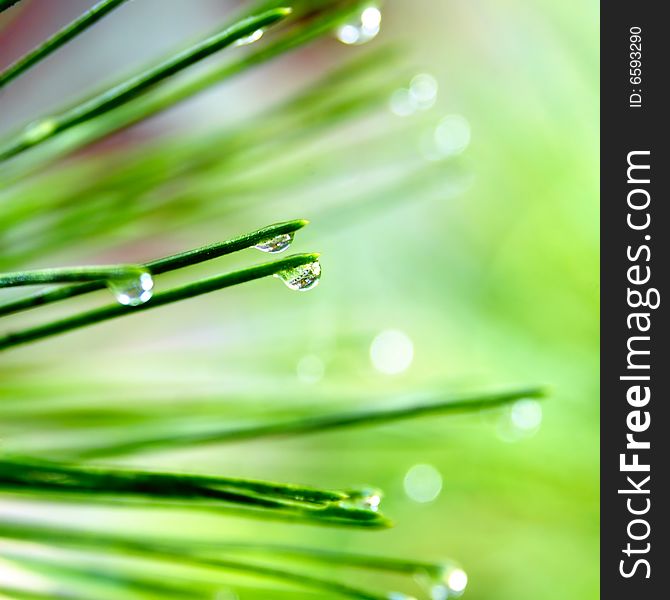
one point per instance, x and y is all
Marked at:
(302, 278)
(133, 290)
(366, 499)
(250, 39)
(420, 95)
(276, 244)
(362, 28)
(423, 91)
(450, 583)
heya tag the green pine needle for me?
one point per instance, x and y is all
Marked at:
(171, 92)
(49, 127)
(313, 424)
(183, 292)
(47, 207)
(155, 267)
(69, 275)
(97, 484)
(195, 553)
(5, 4)
(58, 40)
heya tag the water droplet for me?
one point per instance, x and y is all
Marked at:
(457, 580)
(310, 369)
(401, 103)
(361, 29)
(250, 39)
(527, 414)
(365, 499)
(302, 278)
(391, 352)
(452, 135)
(371, 18)
(420, 95)
(521, 421)
(423, 483)
(276, 244)
(450, 584)
(423, 91)
(132, 290)
(442, 581)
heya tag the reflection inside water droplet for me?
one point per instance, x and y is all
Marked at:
(362, 28)
(276, 244)
(250, 39)
(302, 278)
(366, 499)
(133, 290)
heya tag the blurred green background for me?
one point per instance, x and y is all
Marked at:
(486, 262)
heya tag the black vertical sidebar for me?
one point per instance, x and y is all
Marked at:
(635, 337)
